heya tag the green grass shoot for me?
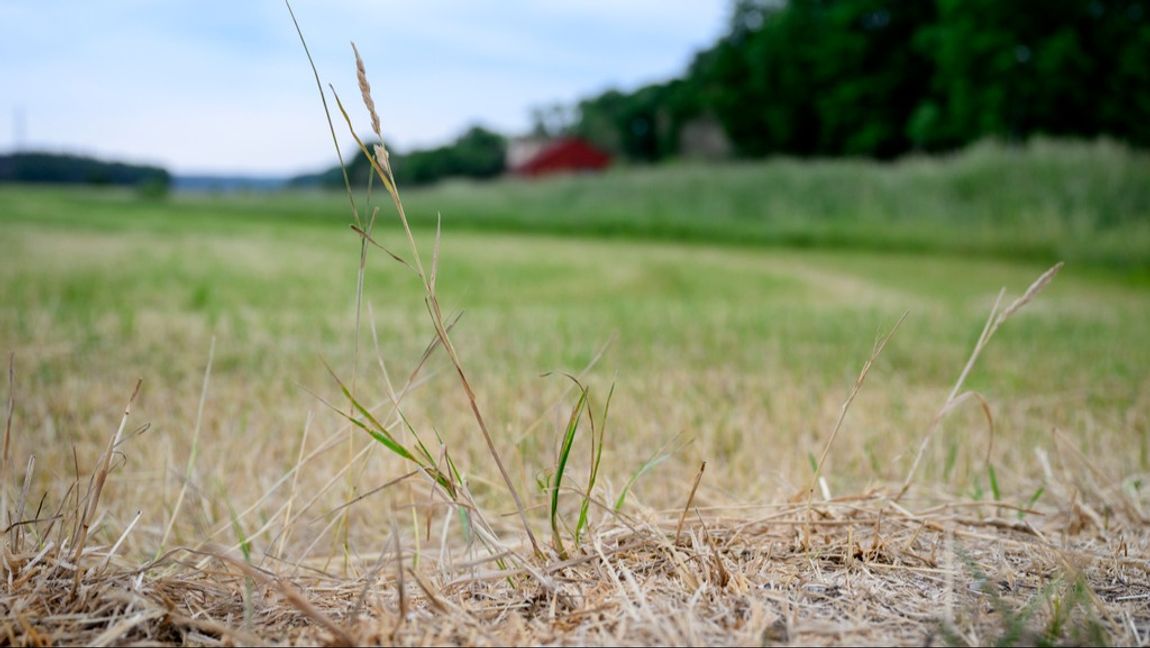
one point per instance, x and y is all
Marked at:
(565, 448)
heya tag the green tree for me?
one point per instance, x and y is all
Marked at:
(879, 77)
(477, 153)
(818, 77)
(1062, 67)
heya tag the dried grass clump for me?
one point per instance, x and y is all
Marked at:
(875, 567)
(862, 570)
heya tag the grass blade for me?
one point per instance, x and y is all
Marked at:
(993, 322)
(656, 458)
(561, 466)
(327, 116)
(1032, 501)
(596, 459)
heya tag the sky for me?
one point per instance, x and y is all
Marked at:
(223, 86)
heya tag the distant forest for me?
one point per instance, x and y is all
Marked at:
(872, 78)
(74, 169)
(478, 153)
(881, 78)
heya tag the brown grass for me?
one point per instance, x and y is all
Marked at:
(421, 563)
(871, 572)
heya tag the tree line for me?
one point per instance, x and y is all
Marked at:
(32, 167)
(873, 78)
(477, 153)
(881, 78)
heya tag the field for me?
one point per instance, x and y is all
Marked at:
(732, 311)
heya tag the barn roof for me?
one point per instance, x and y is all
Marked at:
(561, 155)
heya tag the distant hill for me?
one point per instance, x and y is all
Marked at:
(228, 183)
(39, 167)
(330, 178)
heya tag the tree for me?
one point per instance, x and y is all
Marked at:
(477, 153)
(56, 168)
(818, 77)
(1062, 67)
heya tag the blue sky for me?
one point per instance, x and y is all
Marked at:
(222, 86)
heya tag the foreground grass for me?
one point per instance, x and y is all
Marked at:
(737, 356)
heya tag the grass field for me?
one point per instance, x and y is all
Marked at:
(1044, 201)
(725, 343)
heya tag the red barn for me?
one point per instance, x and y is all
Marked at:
(564, 155)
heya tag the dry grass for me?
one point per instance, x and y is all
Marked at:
(869, 572)
(254, 554)
(250, 518)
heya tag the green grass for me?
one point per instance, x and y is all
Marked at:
(728, 351)
(1045, 201)
(825, 305)
(729, 346)
(1082, 202)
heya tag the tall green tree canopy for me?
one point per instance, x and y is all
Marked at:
(883, 77)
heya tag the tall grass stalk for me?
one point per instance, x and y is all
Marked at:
(5, 459)
(817, 466)
(690, 500)
(285, 533)
(193, 452)
(378, 159)
(995, 320)
(382, 168)
(598, 436)
(96, 485)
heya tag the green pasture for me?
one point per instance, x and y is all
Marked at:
(727, 343)
(1043, 201)
(731, 347)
